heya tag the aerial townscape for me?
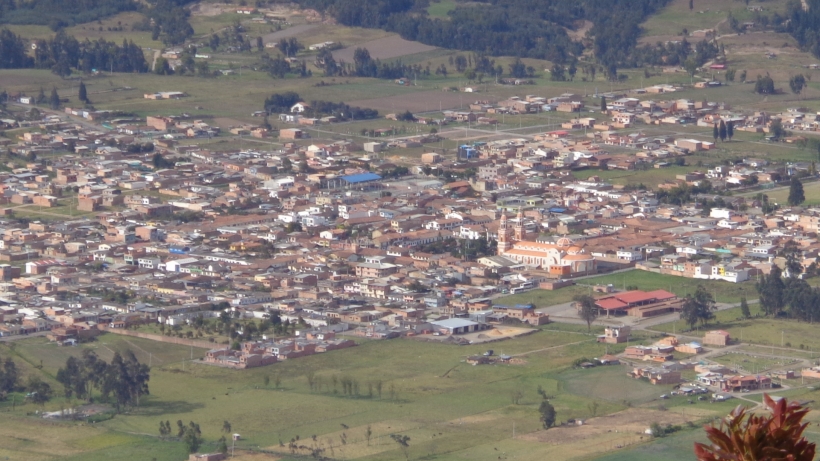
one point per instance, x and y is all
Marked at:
(381, 230)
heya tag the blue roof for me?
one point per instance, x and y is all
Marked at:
(361, 177)
(557, 210)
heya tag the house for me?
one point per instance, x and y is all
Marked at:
(745, 383)
(639, 303)
(457, 326)
(206, 457)
(657, 376)
(615, 335)
(717, 338)
(299, 107)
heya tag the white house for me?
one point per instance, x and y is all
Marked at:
(629, 255)
(722, 213)
(299, 107)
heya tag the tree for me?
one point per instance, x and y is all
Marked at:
(715, 132)
(691, 66)
(226, 427)
(588, 311)
(39, 392)
(82, 95)
(603, 104)
(797, 83)
(54, 100)
(698, 307)
(744, 308)
(287, 165)
(191, 436)
(796, 194)
(691, 4)
(773, 435)
(547, 412)
(764, 85)
(777, 131)
(656, 430)
(770, 290)
(164, 431)
(9, 376)
(260, 44)
(557, 73)
(793, 255)
(730, 130)
(222, 445)
(404, 443)
(743, 76)
(722, 131)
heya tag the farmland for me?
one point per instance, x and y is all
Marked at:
(461, 406)
(384, 48)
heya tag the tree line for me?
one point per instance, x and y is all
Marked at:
(282, 103)
(803, 24)
(525, 28)
(786, 293)
(64, 53)
(124, 380)
(61, 13)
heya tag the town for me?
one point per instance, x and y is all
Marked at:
(378, 230)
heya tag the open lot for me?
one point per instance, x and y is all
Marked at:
(384, 48)
(724, 292)
(427, 390)
(422, 101)
(758, 330)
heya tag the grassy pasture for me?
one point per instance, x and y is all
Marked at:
(759, 331)
(648, 281)
(435, 394)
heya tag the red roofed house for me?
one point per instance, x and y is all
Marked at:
(639, 303)
(749, 382)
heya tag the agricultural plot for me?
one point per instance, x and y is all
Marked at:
(427, 390)
(421, 101)
(384, 48)
(751, 363)
(676, 16)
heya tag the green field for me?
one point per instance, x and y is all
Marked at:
(760, 331)
(672, 19)
(724, 292)
(781, 195)
(440, 8)
(434, 393)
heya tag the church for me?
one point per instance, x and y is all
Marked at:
(562, 259)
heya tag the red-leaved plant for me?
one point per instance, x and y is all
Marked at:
(742, 436)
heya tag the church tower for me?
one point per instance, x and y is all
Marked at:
(504, 234)
(520, 233)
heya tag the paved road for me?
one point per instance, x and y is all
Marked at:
(7, 339)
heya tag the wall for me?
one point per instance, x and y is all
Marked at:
(164, 339)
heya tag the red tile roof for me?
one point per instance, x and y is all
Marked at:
(610, 303)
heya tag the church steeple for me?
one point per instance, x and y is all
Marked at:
(520, 233)
(504, 234)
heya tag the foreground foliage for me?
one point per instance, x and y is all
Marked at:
(745, 437)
